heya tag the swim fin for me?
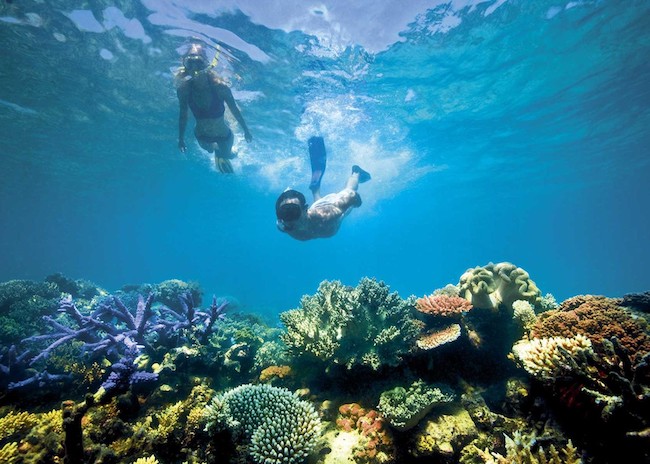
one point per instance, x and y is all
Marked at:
(224, 165)
(364, 176)
(318, 157)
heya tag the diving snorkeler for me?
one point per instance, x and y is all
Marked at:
(323, 218)
(201, 90)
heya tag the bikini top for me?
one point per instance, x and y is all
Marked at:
(213, 111)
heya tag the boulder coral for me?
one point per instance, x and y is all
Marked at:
(348, 326)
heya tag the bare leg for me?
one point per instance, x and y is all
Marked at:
(357, 177)
(316, 192)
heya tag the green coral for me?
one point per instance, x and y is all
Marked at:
(366, 325)
(404, 408)
(23, 303)
(278, 426)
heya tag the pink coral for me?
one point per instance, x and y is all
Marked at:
(443, 305)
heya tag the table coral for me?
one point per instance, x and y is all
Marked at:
(436, 338)
(349, 326)
(443, 305)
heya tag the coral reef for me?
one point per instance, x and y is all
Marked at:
(443, 305)
(403, 408)
(361, 437)
(436, 338)
(366, 325)
(444, 435)
(548, 358)
(280, 427)
(598, 318)
(501, 284)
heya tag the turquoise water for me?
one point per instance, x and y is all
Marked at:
(494, 131)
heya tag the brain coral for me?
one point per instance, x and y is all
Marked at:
(366, 325)
(404, 408)
(278, 426)
(597, 318)
(492, 285)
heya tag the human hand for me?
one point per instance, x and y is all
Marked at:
(181, 146)
(248, 136)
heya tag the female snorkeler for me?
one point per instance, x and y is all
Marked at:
(201, 90)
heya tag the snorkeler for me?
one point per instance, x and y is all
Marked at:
(201, 90)
(323, 218)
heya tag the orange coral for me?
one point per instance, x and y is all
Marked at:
(274, 372)
(597, 318)
(443, 305)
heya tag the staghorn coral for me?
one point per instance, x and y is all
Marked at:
(443, 305)
(148, 460)
(366, 325)
(404, 408)
(276, 425)
(523, 449)
(547, 358)
(495, 285)
(14, 423)
(598, 318)
(9, 453)
(436, 338)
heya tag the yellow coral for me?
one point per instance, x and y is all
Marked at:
(148, 460)
(9, 453)
(169, 419)
(544, 358)
(15, 422)
(274, 372)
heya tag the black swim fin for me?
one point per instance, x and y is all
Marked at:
(318, 158)
(364, 176)
(224, 165)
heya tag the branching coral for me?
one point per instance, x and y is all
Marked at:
(522, 449)
(278, 427)
(366, 325)
(547, 358)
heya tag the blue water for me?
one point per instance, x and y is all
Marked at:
(494, 131)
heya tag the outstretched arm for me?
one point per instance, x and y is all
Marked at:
(234, 109)
(183, 107)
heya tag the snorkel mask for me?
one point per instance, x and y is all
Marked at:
(195, 60)
(194, 64)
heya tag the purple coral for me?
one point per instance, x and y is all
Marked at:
(195, 323)
(125, 374)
